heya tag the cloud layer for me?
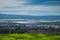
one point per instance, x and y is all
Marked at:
(30, 7)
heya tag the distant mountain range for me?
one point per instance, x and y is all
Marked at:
(50, 17)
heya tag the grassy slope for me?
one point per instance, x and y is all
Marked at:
(28, 37)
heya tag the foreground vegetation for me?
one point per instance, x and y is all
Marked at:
(29, 37)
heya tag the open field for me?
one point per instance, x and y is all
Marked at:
(28, 37)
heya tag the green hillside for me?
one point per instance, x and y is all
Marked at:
(28, 37)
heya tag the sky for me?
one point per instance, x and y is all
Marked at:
(30, 7)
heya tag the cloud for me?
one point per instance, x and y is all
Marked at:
(32, 10)
(20, 7)
(11, 2)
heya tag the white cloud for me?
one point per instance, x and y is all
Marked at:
(40, 8)
(11, 2)
(19, 8)
(34, 8)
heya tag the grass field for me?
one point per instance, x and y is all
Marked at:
(28, 37)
